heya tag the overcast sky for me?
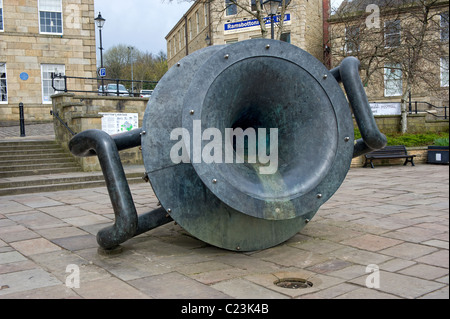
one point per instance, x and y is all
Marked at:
(143, 24)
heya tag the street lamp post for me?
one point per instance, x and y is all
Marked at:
(271, 7)
(132, 73)
(100, 21)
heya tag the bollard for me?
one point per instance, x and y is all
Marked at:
(22, 120)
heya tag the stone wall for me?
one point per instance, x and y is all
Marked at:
(417, 123)
(81, 113)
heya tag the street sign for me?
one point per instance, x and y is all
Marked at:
(101, 72)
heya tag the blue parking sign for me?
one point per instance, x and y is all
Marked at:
(102, 72)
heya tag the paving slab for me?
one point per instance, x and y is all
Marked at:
(398, 224)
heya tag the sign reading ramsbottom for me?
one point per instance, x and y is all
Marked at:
(250, 25)
(230, 149)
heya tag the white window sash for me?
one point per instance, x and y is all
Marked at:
(2, 24)
(3, 80)
(392, 34)
(229, 6)
(197, 18)
(444, 72)
(393, 82)
(47, 89)
(50, 5)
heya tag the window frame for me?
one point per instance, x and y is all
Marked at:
(389, 91)
(350, 42)
(197, 22)
(286, 36)
(190, 29)
(44, 81)
(2, 21)
(5, 79)
(444, 72)
(229, 5)
(444, 30)
(169, 49)
(391, 34)
(39, 18)
(253, 4)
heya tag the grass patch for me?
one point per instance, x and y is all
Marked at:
(415, 140)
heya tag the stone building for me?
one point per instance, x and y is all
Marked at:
(38, 38)
(398, 52)
(215, 22)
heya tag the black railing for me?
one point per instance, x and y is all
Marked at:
(107, 87)
(55, 114)
(416, 109)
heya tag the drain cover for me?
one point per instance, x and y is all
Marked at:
(293, 283)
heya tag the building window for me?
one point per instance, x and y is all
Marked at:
(169, 49)
(444, 72)
(3, 87)
(50, 16)
(205, 9)
(190, 29)
(393, 83)
(392, 34)
(197, 18)
(352, 39)
(46, 75)
(286, 37)
(1, 15)
(444, 26)
(254, 4)
(231, 8)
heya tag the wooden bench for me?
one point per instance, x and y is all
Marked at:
(390, 152)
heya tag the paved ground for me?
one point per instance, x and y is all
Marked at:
(32, 131)
(386, 228)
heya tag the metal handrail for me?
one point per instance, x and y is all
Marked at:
(430, 105)
(116, 81)
(55, 114)
(416, 108)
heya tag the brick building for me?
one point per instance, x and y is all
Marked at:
(222, 22)
(38, 38)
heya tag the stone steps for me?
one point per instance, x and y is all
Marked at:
(43, 166)
(58, 182)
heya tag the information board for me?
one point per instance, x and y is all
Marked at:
(114, 123)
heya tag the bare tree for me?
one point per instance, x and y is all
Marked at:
(420, 50)
(397, 39)
(147, 66)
